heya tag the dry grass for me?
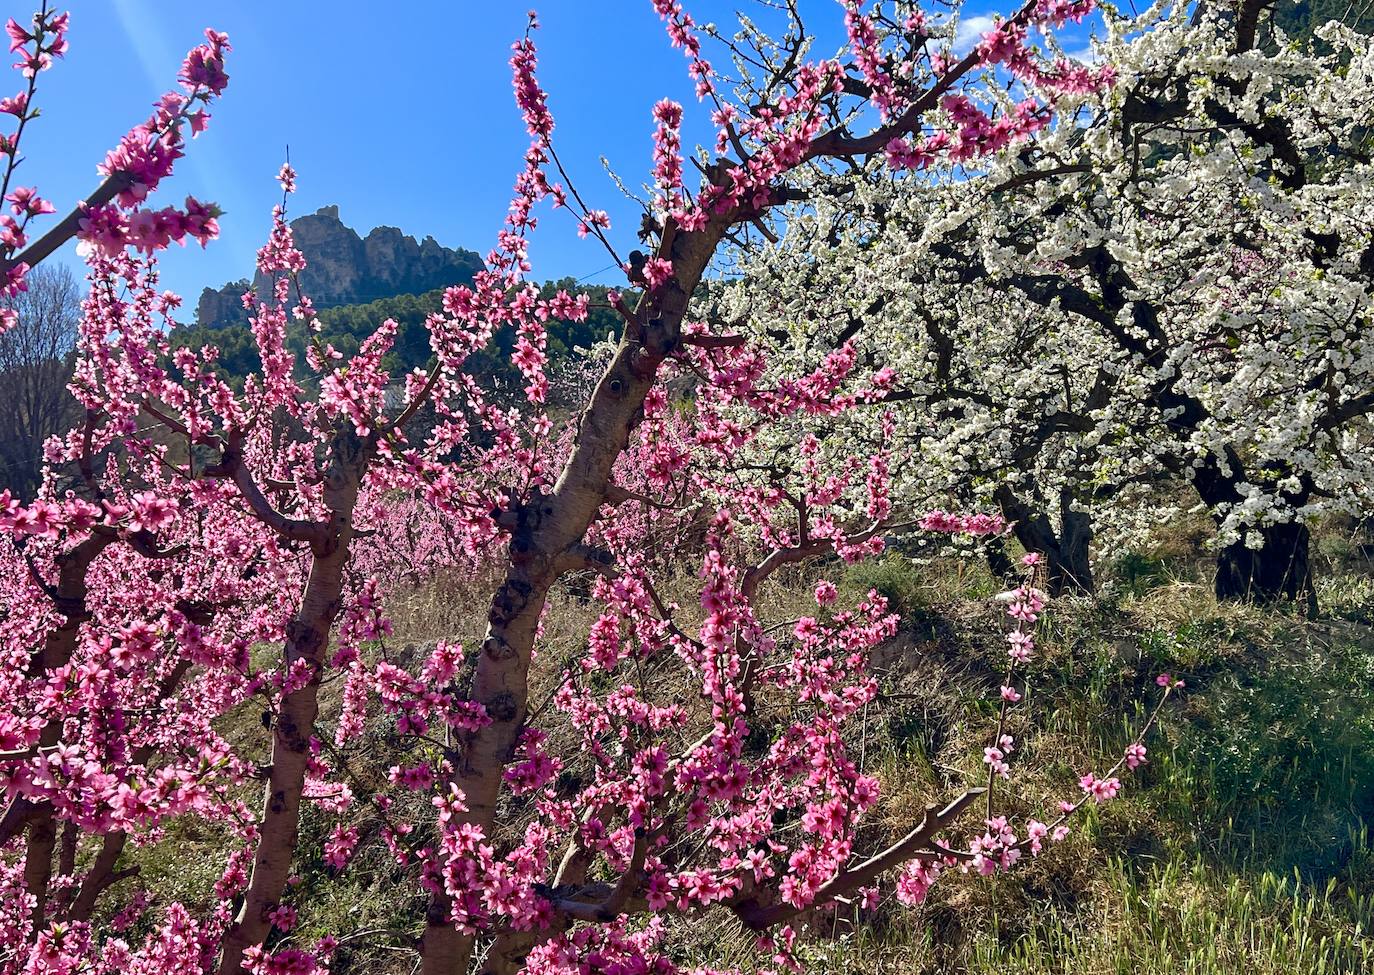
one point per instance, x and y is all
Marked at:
(1266, 766)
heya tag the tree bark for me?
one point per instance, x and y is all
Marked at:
(1068, 569)
(307, 640)
(1280, 570)
(1072, 569)
(99, 878)
(40, 842)
(544, 532)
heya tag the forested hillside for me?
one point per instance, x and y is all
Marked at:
(345, 327)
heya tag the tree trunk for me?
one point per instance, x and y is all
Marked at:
(544, 533)
(1066, 554)
(1280, 570)
(99, 878)
(38, 849)
(1070, 569)
(307, 640)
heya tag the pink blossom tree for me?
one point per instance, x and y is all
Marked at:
(108, 603)
(113, 215)
(694, 758)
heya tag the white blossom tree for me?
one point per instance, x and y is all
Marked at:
(1171, 285)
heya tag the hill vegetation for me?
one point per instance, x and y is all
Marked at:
(347, 326)
(345, 268)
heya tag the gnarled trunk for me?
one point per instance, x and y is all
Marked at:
(1065, 553)
(307, 640)
(1280, 570)
(544, 534)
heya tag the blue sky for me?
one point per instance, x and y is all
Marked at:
(401, 113)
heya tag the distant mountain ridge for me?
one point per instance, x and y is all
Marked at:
(343, 268)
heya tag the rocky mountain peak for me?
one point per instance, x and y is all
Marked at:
(344, 269)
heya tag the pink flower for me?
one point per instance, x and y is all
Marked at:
(204, 65)
(975, 524)
(1135, 755)
(18, 35)
(14, 280)
(657, 271)
(282, 917)
(915, 880)
(1020, 646)
(26, 201)
(417, 778)
(338, 849)
(42, 519)
(807, 628)
(1100, 789)
(151, 512)
(995, 760)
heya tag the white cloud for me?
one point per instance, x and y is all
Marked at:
(970, 31)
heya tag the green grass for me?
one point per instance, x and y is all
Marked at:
(1177, 917)
(1241, 847)
(1185, 918)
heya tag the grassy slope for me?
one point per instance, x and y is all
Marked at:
(1239, 848)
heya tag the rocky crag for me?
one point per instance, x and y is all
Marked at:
(345, 269)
